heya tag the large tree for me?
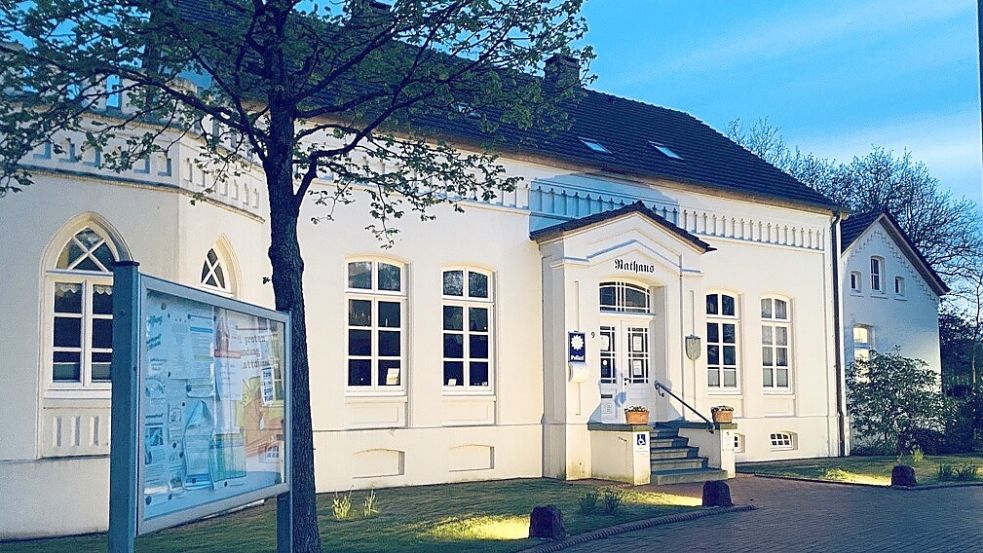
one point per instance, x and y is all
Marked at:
(947, 230)
(350, 89)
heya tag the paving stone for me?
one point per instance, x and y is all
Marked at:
(806, 516)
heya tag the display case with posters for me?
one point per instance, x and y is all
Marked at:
(207, 401)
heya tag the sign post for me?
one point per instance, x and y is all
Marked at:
(200, 407)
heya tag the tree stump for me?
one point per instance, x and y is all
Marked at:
(716, 493)
(546, 521)
(903, 475)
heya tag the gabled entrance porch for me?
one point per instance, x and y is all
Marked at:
(618, 292)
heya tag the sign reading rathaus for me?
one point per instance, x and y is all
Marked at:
(633, 266)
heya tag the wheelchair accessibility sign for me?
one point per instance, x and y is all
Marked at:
(641, 442)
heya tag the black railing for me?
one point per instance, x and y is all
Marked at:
(663, 391)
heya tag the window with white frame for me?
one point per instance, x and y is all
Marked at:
(876, 271)
(899, 286)
(81, 314)
(376, 325)
(782, 440)
(624, 297)
(863, 342)
(776, 343)
(738, 443)
(214, 277)
(468, 343)
(722, 323)
(855, 281)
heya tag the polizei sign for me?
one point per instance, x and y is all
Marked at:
(633, 266)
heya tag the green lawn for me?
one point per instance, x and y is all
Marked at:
(490, 516)
(872, 470)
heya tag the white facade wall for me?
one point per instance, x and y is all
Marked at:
(533, 420)
(909, 321)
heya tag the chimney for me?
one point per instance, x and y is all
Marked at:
(562, 71)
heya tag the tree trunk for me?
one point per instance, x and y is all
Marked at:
(288, 288)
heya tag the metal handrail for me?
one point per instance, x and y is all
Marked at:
(663, 390)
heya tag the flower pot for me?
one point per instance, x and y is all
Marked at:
(723, 417)
(637, 417)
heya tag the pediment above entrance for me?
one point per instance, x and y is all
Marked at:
(634, 238)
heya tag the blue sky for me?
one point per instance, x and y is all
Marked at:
(837, 77)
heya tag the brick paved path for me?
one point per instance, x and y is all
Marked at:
(803, 516)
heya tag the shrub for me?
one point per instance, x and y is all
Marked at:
(835, 473)
(891, 397)
(947, 472)
(912, 460)
(611, 499)
(341, 506)
(967, 473)
(588, 503)
(371, 505)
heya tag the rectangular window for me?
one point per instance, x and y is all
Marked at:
(609, 355)
(863, 342)
(467, 330)
(722, 322)
(776, 343)
(376, 326)
(82, 332)
(738, 443)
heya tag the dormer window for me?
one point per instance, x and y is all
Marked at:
(595, 146)
(664, 150)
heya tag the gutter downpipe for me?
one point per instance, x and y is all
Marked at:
(837, 331)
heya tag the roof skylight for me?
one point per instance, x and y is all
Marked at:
(595, 146)
(665, 150)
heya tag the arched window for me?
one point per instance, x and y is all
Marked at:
(776, 343)
(722, 343)
(876, 274)
(213, 274)
(624, 297)
(467, 330)
(376, 325)
(80, 288)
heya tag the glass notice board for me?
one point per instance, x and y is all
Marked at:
(212, 379)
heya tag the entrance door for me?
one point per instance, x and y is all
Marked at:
(626, 359)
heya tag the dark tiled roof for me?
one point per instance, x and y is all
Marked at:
(637, 207)
(855, 225)
(627, 128)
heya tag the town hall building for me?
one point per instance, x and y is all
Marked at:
(645, 260)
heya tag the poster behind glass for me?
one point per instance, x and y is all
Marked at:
(212, 412)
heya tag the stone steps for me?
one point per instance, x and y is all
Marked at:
(674, 461)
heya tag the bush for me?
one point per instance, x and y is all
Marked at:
(588, 503)
(611, 499)
(891, 397)
(967, 473)
(930, 441)
(947, 472)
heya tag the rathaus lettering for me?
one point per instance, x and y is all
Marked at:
(634, 266)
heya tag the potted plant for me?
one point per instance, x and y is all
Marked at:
(637, 414)
(722, 414)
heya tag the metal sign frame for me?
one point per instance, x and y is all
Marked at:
(129, 362)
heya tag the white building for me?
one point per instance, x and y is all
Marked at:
(891, 294)
(445, 358)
